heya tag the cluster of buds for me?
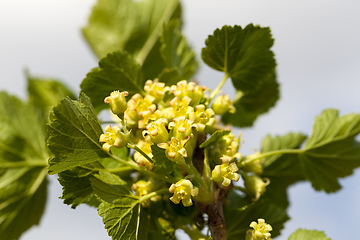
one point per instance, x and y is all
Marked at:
(260, 230)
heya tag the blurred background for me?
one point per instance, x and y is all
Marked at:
(318, 56)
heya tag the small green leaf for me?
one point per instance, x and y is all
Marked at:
(23, 154)
(116, 71)
(175, 50)
(214, 137)
(303, 234)
(74, 132)
(331, 151)
(244, 55)
(46, 93)
(254, 103)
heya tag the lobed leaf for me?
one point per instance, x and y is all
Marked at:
(23, 162)
(74, 132)
(175, 50)
(303, 234)
(331, 151)
(243, 54)
(116, 71)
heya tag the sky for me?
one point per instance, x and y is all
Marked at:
(317, 52)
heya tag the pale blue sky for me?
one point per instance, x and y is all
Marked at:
(317, 51)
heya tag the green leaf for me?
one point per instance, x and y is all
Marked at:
(244, 55)
(214, 137)
(23, 162)
(74, 132)
(119, 208)
(116, 71)
(251, 104)
(331, 151)
(303, 234)
(133, 26)
(175, 50)
(46, 93)
(238, 220)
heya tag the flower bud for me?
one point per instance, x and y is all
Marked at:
(157, 131)
(142, 188)
(113, 137)
(139, 158)
(255, 185)
(260, 230)
(117, 101)
(254, 166)
(139, 110)
(222, 104)
(183, 190)
(225, 172)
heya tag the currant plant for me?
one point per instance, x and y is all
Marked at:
(167, 155)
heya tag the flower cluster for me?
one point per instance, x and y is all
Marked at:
(170, 118)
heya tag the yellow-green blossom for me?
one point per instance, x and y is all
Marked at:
(156, 89)
(113, 137)
(255, 185)
(202, 117)
(191, 90)
(227, 145)
(225, 172)
(145, 146)
(181, 107)
(175, 151)
(117, 101)
(183, 190)
(139, 110)
(222, 104)
(260, 230)
(182, 128)
(157, 131)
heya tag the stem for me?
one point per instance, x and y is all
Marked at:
(217, 89)
(192, 171)
(142, 153)
(284, 151)
(153, 194)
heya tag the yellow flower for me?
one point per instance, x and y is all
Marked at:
(157, 131)
(142, 188)
(139, 110)
(222, 104)
(183, 190)
(176, 150)
(225, 172)
(117, 101)
(113, 137)
(227, 145)
(182, 128)
(202, 117)
(260, 230)
(181, 107)
(156, 89)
